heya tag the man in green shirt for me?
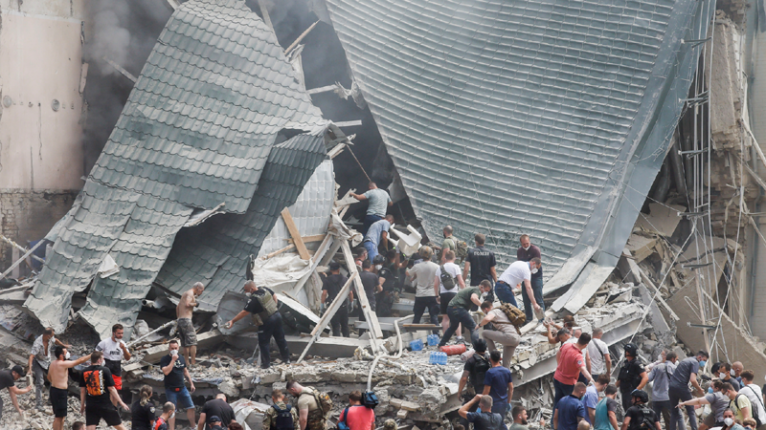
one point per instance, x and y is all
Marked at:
(519, 415)
(458, 310)
(449, 243)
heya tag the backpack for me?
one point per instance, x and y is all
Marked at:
(284, 418)
(461, 250)
(516, 316)
(317, 417)
(479, 370)
(756, 412)
(447, 280)
(370, 399)
(342, 424)
(647, 419)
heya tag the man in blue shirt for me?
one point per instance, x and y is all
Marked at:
(482, 419)
(498, 383)
(377, 233)
(570, 410)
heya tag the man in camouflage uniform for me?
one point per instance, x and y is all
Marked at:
(270, 417)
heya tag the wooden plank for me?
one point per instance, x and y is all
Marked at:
(331, 311)
(309, 239)
(361, 294)
(323, 248)
(293, 229)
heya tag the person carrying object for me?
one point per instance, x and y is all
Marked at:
(377, 235)
(280, 416)
(356, 416)
(528, 252)
(503, 331)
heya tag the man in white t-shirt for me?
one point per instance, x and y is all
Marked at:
(115, 350)
(516, 274)
(447, 294)
(422, 274)
(754, 393)
(600, 361)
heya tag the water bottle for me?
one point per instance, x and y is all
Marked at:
(416, 345)
(437, 358)
(433, 339)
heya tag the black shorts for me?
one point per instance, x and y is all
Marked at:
(445, 298)
(94, 414)
(59, 402)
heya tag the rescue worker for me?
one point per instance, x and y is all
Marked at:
(639, 416)
(474, 371)
(310, 413)
(632, 376)
(458, 310)
(115, 350)
(528, 252)
(280, 416)
(331, 286)
(498, 328)
(262, 306)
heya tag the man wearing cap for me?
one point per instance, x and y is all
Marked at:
(214, 423)
(632, 375)
(331, 286)
(8, 380)
(639, 413)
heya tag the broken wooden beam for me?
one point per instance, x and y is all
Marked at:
(309, 239)
(296, 234)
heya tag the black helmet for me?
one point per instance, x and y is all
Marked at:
(379, 259)
(640, 395)
(631, 349)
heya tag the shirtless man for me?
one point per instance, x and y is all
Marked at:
(185, 327)
(58, 376)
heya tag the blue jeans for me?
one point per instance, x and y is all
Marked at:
(504, 293)
(181, 398)
(502, 409)
(272, 327)
(537, 290)
(368, 221)
(372, 249)
(459, 316)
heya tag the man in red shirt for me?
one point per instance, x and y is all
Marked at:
(357, 416)
(571, 364)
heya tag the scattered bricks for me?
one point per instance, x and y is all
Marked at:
(402, 414)
(409, 406)
(397, 403)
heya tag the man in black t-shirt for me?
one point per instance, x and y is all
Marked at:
(528, 252)
(98, 396)
(218, 408)
(481, 262)
(371, 284)
(474, 371)
(331, 286)
(8, 380)
(174, 368)
(263, 306)
(632, 375)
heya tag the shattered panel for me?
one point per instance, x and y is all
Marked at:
(140, 253)
(217, 252)
(202, 117)
(195, 133)
(538, 117)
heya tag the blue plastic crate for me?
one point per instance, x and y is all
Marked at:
(437, 358)
(416, 345)
(433, 339)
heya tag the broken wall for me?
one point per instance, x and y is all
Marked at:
(41, 108)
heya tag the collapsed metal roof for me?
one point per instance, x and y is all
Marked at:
(198, 130)
(550, 117)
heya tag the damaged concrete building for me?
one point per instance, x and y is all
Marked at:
(621, 136)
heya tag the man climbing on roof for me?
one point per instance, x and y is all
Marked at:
(528, 252)
(263, 308)
(377, 234)
(378, 202)
(186, 332)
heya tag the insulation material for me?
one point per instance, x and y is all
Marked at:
(587, 94)
(726, 84)
(311, 212)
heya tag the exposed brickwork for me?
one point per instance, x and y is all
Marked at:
(29, 215)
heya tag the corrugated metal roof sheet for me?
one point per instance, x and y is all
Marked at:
(216, 253)
(545, 117)
(196, 131)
